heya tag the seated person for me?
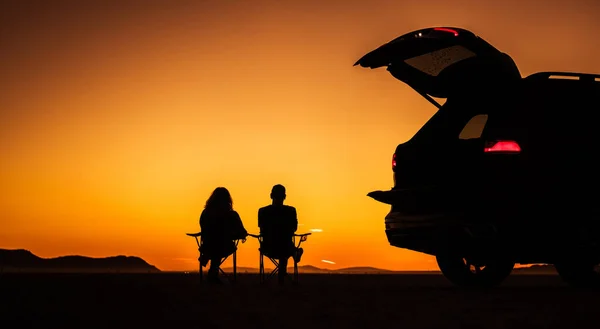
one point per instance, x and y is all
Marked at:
(220, 226)
(278, 223)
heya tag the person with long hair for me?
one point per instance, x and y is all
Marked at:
(220, 226)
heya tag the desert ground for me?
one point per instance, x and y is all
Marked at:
(174, 300)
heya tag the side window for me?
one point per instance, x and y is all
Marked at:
(474, 128)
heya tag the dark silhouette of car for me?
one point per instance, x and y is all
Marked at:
(505, 172)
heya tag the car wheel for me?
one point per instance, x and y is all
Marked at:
(464, 272)
(578, 273)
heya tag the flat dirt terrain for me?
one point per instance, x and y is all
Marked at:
(318, 301)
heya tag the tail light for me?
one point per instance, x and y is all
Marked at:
(503, 147)
(445, 29)
(394, 161)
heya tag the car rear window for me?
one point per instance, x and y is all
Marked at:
(436, 61)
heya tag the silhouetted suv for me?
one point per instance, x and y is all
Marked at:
(506, 171)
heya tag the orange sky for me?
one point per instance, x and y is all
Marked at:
(118, 120)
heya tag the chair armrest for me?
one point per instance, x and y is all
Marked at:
(303, 234)
(302, 237)
(195, 235)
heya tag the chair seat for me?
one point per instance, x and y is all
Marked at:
(219, 250)
(212, 248)
(276, 253)
(278, 248)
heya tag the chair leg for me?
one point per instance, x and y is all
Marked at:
(264, 276)
(234, 266)
(261, 269)
(232, 277)
(295, 271)
(275, 270)
(200, 270)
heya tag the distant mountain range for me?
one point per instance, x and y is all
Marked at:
(21, 260)
(317, 270)
(533, 269)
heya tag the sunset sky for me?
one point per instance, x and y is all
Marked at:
(119, 118)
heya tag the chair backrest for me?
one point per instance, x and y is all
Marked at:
(276, 236)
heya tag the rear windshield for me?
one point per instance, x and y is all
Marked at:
(436, 61)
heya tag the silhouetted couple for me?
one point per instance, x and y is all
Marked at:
(221, 225)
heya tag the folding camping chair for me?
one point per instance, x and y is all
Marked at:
(297, 239)
(198, 237)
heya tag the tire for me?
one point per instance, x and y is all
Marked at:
(578, 273)
(459, 270)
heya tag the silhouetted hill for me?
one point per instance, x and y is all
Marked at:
(24, 261)
(318, 270)
(270, 267)
(312, 269)
(364, 270)
(239, 269)
(535, 269)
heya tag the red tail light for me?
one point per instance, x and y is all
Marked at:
(394, 161)
(503, 147)
(445, 29)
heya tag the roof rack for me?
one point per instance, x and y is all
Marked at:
(565, 75)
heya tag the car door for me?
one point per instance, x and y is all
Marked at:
(442, 61)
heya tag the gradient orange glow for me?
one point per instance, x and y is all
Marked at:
(117, 121)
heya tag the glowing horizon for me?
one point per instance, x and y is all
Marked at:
(119, 120)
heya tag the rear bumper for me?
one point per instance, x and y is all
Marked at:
(416, 232)
(416, 215)
(418, 240)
